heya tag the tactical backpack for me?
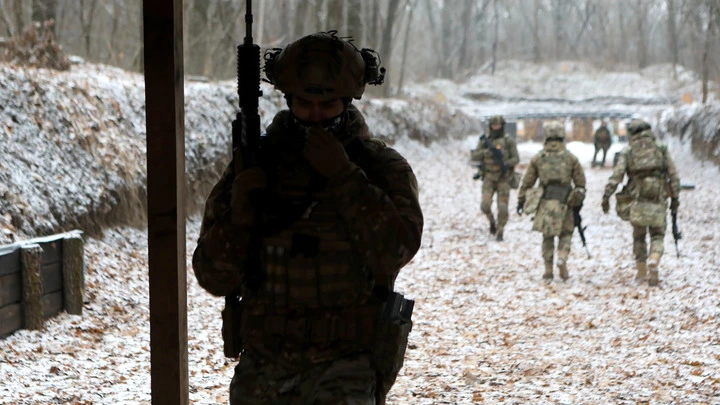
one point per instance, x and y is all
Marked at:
(647, 169)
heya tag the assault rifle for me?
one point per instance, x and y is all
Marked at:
(677, 235)
(245, 145)
(496, 155)
(581, 229)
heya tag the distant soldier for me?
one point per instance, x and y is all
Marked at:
(652, 178)
(561, 190)
(603, 140)
(497, 154)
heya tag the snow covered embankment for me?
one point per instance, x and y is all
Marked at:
(698, 124)
(73, 144)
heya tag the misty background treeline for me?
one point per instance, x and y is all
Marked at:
(417, 39)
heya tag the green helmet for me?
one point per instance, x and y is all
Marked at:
(497, 119)
(323, 64)
(637, 126)
(554, 130)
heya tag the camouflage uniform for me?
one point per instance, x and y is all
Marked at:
(331, 246)
(494, 180)
(602, 140)
(652, 178)
(557, 171)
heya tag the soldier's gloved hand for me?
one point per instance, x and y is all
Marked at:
(520, 206)
(325, 153)
(674, 203)
(606, 205)
(245, 183)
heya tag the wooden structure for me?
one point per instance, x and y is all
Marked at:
(38, 279)
(164, 100)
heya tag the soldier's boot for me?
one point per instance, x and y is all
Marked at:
(562, 268)
(548, 275)
(641, 274)
(652, 267)
(499, 234)
(493, 228)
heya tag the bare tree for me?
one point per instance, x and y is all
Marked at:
(43, 10)
(386, 44)
(536, 32)
(495, 40)
(19, 17)
(672, 35)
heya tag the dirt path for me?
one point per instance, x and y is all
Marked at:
(488, 330)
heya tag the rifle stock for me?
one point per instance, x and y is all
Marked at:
(677, 235)
(581, 230)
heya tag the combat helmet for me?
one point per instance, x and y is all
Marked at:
(323, 64)
(496, 119)
(553, 130)
(637, 126)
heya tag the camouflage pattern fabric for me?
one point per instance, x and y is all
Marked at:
(554, 165)
(328, 242)
(343, 381)
(640, 248)
(494, 182)
(652, 178)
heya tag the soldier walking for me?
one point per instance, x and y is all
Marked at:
(498, 155)
(561, 189)
(340, 218)
(603, 141)
(652, 178)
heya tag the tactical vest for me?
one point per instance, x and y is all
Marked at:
(499, 144)
(316, 289)
(554, 168)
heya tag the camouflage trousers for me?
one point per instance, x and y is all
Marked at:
(640, 249)
(598, 148)
(259, 380)
(494, 183)
(564, 239)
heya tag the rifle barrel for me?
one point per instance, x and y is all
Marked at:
(248, 23)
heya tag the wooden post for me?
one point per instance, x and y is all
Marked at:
(31, 256)
(164, 98)
(72, 269)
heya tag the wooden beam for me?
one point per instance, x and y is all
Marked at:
(164, 100)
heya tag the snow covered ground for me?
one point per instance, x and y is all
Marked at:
(487, 329)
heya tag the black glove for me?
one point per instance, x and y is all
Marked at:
(325, 153)
(606, 204)
(520, 205)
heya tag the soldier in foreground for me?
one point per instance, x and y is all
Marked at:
(561, 189)
(652, 178)
(498, 155)
(603, 141)
(340, 217)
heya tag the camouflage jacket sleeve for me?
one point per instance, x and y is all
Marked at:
(478, 154)
(617, 175)
(672, 177)
(384, 215)
(513, 158)
(222, 247)
(529, 178)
